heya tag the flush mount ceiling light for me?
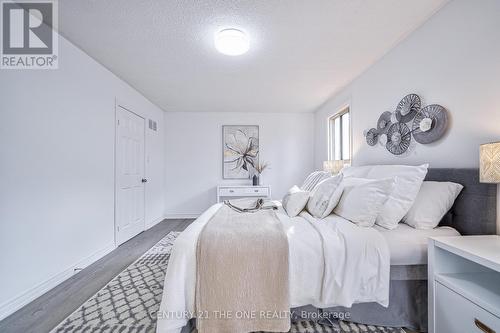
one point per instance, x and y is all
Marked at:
(231, 42)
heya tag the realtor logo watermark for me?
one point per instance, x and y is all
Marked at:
(29, 38)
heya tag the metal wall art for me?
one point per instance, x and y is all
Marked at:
(395, 129)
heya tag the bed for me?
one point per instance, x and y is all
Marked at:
(473, 213)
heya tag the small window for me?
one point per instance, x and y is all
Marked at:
(339, 136)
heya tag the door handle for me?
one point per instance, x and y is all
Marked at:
(144, 180)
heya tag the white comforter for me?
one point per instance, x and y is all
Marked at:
(332, 262)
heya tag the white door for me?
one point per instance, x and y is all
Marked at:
(130, 181)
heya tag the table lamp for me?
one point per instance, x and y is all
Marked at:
(489, 170)
(335, 166)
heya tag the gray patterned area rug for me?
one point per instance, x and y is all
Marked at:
(124, 305)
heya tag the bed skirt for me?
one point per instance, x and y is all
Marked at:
(407, 304)
(407, 308)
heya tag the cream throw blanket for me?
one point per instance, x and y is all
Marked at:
(242, 274)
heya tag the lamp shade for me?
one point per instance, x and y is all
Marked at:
(489, 163)
(335, 166)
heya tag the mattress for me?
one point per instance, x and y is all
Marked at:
(408, 246)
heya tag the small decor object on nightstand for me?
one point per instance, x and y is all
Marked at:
(258, 170)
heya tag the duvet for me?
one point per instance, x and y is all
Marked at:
(332, 262)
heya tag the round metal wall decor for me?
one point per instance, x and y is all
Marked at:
(430, 124)
(384, 122)
(408, 108)
(398, 138)
(372, 137)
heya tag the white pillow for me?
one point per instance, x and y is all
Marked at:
(433, 201)
(295, 201)
(408, 182)
(314, 179)
(325, 197)
(363, 199)
(356, 171)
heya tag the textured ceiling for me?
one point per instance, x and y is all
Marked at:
(302, 51)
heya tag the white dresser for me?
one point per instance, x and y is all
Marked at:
(464, 284)
(242, 191)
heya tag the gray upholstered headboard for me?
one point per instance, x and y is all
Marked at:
(474, 211)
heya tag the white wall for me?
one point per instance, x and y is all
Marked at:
(57, 138)
(452, 60)
(194, 155)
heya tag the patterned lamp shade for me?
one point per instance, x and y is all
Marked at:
(489, 163)
(334, 167)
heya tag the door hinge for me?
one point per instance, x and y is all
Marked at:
(117, 228)
(118, 121)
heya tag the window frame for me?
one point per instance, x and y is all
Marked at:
(331, 133)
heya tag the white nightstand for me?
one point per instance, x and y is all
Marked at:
(243, 191)
(464, 284)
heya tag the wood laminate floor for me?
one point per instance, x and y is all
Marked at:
(45, 312)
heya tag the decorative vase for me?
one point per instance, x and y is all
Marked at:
(255, 180)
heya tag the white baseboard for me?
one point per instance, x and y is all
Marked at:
(154, 222)
(182, 216)
(17, 302)
(171, 216)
